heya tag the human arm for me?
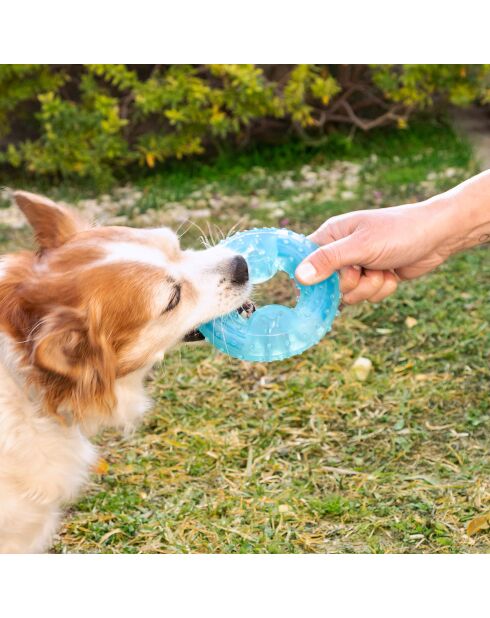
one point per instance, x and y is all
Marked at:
(375, 249)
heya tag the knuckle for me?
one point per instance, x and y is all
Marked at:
(355, 296)
(376, 278)
(324, 233)
(333, 221)
(349, 278)
(388, 288)
(392, 284)
(348, 299)
(333, 228)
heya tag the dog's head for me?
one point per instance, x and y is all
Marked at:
(97, 303)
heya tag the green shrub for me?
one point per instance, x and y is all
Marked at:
(90, 120)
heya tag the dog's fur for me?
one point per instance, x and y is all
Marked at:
(81, 323)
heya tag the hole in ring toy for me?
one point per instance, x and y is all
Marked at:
(275, 332)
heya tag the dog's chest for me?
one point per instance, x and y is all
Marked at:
(43, 460)
(40, 459)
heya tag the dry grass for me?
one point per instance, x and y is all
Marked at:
(300, 456)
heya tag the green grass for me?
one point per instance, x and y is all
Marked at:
(299, 456)
(429, 146)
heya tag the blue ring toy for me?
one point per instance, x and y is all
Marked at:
(275, 332)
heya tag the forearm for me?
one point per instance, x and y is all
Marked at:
(462, 214)
(409, 240)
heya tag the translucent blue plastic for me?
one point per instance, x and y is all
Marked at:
(275, 332)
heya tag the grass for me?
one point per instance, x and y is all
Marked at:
(299, 455)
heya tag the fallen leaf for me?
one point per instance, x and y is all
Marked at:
(410, 322)
(437, 427)
(403, 368)
(101, 467)
(482, 522)
(150, 159)
(108, 535)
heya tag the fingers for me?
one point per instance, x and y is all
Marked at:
(389, 287)
(373, 285)
(369, 284)
(329, 258)
(349, 278)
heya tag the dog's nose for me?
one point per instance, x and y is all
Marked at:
(239, 270)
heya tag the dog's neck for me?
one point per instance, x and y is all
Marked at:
(131, 399)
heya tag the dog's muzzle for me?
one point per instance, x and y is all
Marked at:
(246, 310)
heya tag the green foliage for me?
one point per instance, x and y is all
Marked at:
(89, 120)
(76, 139)
(306, 82)
(418, 84)
(20, 84)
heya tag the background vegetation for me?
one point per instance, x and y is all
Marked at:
(303, 455)
(92, 121)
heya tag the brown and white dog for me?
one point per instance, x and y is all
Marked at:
(81, 323)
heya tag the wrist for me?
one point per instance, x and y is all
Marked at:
(461, 217)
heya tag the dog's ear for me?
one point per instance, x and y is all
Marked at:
(75, 363)
(53, 224)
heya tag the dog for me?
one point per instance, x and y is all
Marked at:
(82, 321)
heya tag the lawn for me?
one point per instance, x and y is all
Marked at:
(301, 455)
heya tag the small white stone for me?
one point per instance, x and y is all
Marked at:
(278, 212)
(410, 322)
(12, 217)
(362, 367)
(200, 213)
(347, 195)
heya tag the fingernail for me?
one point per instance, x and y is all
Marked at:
(306, 272)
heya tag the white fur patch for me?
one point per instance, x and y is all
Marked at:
(133, 252)
(42, 465)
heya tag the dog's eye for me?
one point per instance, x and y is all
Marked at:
(174, 299)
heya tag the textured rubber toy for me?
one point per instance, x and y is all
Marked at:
(275, 332)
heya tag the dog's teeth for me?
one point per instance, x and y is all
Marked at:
(247, 308)
(194, 335)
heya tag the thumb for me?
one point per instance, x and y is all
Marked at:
(327, 259)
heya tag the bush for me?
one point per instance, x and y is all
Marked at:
(89, 120)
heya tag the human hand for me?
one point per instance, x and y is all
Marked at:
(374, 249)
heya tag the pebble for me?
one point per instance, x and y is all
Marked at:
(347, 195)
(362, 367)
